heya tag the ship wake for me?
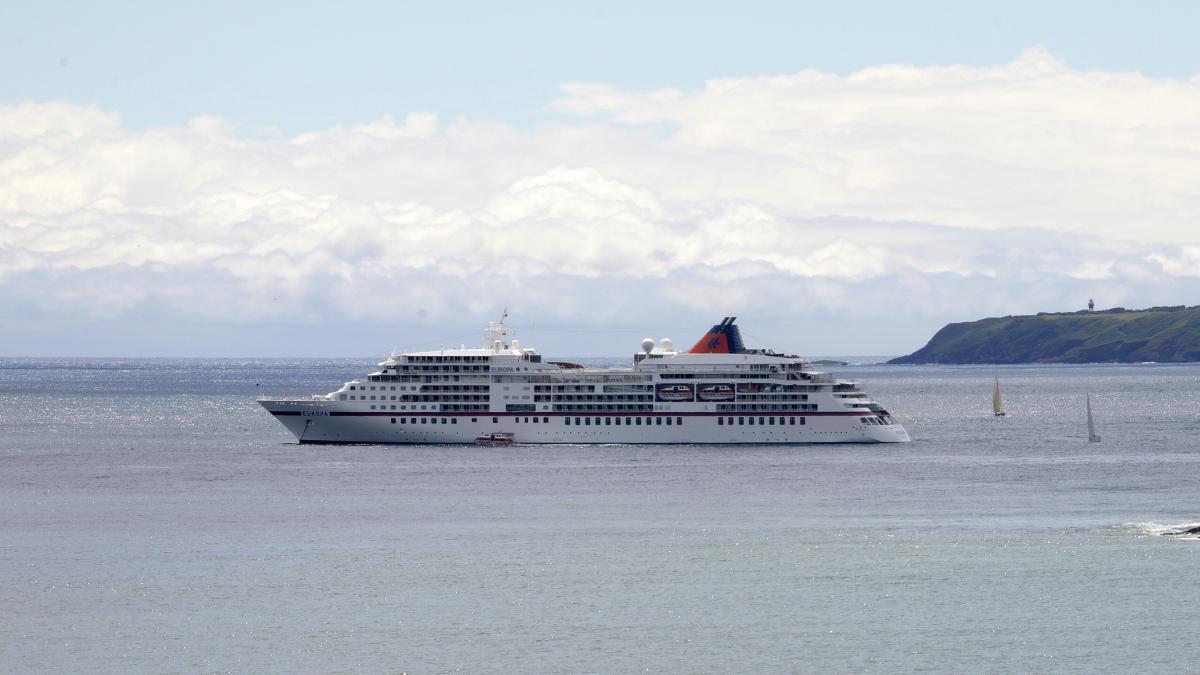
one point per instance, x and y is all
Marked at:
(1180, 531)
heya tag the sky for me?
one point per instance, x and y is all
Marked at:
(303, 179)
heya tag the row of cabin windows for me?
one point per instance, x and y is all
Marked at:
(791, 421)
(454, 420)
(603, 407)
(404, 407)
(597, 397)
(426, 369)
(755, 407)
(428, 389)
(445, 407)
(446, 359)
(585, 421)
(414, 398)
(629, 421)
(432, 397)
(712, 376)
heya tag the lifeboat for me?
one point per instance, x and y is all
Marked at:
(494, 438)
(716, 392)
(675, 392)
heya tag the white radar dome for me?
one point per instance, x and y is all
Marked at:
(516, 346)
(666, 345)
(648, 345)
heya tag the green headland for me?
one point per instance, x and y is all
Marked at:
(1161, 334)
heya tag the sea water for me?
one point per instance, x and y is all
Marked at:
(154, 518)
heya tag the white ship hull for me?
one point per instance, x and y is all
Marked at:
(323, 422)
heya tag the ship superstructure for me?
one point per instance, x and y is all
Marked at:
(717, 392)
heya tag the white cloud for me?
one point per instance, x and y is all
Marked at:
(1029, 143)
(1183, 262)
(910, 196)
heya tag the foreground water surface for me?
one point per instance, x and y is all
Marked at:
(154, 518)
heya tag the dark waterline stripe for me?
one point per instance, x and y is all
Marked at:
(405, 413)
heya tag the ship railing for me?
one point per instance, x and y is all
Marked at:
(822, 378)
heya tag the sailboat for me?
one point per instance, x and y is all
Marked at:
(997, 404)
(1093, 437)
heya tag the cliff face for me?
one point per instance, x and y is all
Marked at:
(1162, 334)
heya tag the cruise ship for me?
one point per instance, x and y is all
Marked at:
(717, 392)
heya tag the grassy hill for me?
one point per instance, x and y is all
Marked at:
(1163, 334)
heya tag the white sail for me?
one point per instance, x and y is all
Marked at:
(1092, 436)
(997, 404)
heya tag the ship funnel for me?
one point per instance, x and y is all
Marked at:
(723, 338)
